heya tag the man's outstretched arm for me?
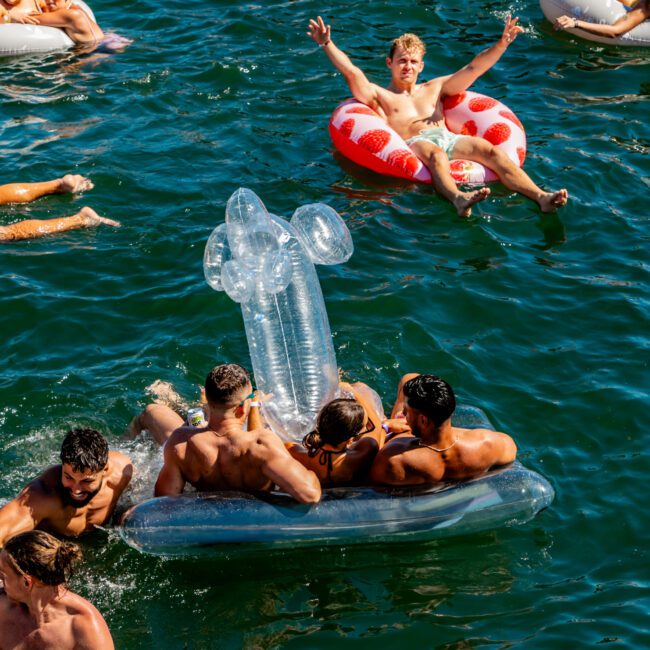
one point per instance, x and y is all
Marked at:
(465, 77)
(361, 88)
(286, 472)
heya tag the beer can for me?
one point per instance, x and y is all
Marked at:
(196, 417)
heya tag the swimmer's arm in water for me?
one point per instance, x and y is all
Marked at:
(465, 77)
(170, 482)
(623, 25)
(288, 474)
(361, 88)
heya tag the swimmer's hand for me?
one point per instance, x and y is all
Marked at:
(396, 425)
(565, 22)
(319, 31)
(29, 19)
(510, 31)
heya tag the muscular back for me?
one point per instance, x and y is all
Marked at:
(220, 461)
(407, 460)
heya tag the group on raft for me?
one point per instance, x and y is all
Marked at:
(351, 445)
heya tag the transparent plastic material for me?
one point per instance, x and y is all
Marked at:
(267, 265)
(197, 523)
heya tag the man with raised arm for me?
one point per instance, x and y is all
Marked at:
(71, 498)
(222, 455)
(414, 111)
(435, 450)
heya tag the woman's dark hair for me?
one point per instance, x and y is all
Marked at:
(337, 422)
(84, 449)
(42, 556)
(432, 396)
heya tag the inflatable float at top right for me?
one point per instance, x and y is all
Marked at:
(605, 12)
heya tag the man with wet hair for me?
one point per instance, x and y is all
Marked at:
(71, 498)
(435, 450)
(37, 609)
(415, 112)
(223, 455)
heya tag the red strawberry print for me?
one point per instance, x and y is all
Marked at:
(479, 104)
(469, 128)
(405, 160)
(364, 110)
(346, 127)
(497, 133)
(458, 171)
(512, 117)
(521, 153)
(453, 100)
(374, 140)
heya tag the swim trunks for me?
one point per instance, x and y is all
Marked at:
(440, 136)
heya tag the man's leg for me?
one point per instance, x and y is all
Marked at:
(159, 420)
(512, 176)
(25, 192)
(33, 228)
(437, 162)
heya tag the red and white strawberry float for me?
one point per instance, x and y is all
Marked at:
(361, 135)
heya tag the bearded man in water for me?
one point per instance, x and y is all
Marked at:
(414, 111)
(72, 498)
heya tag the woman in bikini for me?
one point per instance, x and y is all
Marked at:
(71, 18)
(347, 437)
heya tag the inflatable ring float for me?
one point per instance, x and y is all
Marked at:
(361, 135)
(199, 523)
(17, 38)
(597, 11)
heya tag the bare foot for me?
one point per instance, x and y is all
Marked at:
(134, 429)
(464, 201)
(163, 393)
(93, 219)
(75, 183)
(551, 201)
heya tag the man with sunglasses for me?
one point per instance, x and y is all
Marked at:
(222, 455)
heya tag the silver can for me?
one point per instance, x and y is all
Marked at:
(196, 417)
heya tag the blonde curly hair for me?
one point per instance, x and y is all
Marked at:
(409, 43)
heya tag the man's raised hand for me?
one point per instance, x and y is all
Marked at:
(510, 30)
(319, 31)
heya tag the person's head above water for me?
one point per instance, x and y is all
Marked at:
(227, 386)
(430, 397)
(410, 43)
(37, 556)
(84, 464)
(337, 422)
(406, 60)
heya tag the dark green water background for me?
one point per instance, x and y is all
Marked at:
(540, 320)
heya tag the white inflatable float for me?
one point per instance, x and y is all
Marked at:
(16, 38)
(605, 12)
(204, 523)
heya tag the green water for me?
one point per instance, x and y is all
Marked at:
(540, 320)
